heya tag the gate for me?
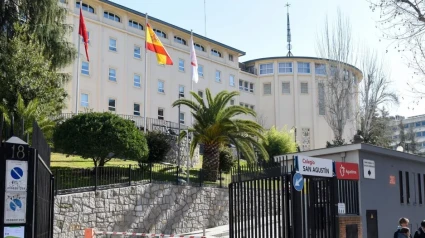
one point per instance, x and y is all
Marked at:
(263, 203)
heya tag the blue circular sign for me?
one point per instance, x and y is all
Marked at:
(298, 182)
(15, 204)
(17, 173)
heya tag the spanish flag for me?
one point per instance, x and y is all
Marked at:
(155, 45)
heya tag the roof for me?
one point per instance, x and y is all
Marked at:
(242, 53)
(353, 147)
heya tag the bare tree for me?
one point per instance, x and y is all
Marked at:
(261, 119)
(334, 44)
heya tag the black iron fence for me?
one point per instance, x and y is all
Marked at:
(71, 180)
(348, 193)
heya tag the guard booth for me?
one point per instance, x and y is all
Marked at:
(27, 191)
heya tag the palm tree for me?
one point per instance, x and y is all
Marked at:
(215, 126)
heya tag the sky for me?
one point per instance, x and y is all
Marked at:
(258, 27)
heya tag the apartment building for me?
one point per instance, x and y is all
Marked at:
(417, 123)
(284, 91)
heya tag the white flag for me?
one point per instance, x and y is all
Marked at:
(193, 61)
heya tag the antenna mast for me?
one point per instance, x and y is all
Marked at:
(288, 36)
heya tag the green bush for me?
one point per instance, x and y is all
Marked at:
(279, 142)
(159, 145)
(227, 160)
(100, 137)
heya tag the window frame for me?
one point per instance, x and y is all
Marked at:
(109, 45)
(231, 58)
(180, 118)
(264, 88)
(232, 102)
(88, 7)
(162, 33)
(110, 14)
(318, 69)
(134, 80)
(199, 47)
(285, 68)
(181, 68)
(289, 88)
(181, 92)
(218, 79)
(180, 40)
(201, 72)
(301, 88)
(133, 23)
(134, 109)
(266, 69)
(163, 86)
(232, 80)
(81, 100)
(109, 105)
(216, 53)
(109, 75)
(303, 63)
(160, 109)
(83, 70)
(140, 52)
(201, 93)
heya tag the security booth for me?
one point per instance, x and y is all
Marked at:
(388, 184)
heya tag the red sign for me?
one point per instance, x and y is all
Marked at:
(392, 180)
(347, 171)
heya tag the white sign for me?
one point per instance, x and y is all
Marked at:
(369, 169)
(14, 232)
(16, 175)
(341, 208)
(15, 207)
(315, 166)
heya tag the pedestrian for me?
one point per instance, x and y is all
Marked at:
(404, 232)
(420, 233)
(403, 223)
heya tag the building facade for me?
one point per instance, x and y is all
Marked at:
(284, 91)
(415, 124)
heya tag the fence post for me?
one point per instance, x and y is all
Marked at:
(177, 175)
(150, 171)
(57, 181)
(221, 178)
(129, 175)
(95, 178)
(200, 178)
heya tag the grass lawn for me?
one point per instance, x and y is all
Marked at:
(63, 161)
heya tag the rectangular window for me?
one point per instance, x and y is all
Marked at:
(84, 102)
(112, 75)
(232, 102)
(160, 114)
(304, 88)
(136, 81)
(320, 69)
(400, 185)
(232, 80)
(136, 110)
(217, 76)
(112, 44)
(418, 134)
(231, 58)
(181, 91)
(200, 71)
(251, 87)
(201, 94)
(285, 68)
(420, 188)
(245, 86)
(181, 117)
(407, 188)
(303, 68)
(418, 124)
(252, 107)
(423, 123)
(85, 68)
(267, 88)
(181, 65)
(137, 52)
(161, 86)
(240, 85)
(266, 69)
(286, 88)
(111, 105)
(321, 95)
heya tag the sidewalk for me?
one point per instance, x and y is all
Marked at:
(220, 231)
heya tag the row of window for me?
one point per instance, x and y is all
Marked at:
(414, 124)
(418, 181)
(303, 67)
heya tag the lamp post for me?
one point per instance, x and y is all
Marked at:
(178, 141)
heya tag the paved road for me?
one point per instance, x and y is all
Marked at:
(220, 231)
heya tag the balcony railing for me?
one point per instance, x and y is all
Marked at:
(248, 69)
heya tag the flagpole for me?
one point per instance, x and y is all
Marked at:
(146, 76)
(78, 69)
(191, 84)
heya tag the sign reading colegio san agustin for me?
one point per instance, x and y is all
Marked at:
(315, 166)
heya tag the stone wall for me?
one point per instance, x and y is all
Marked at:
(151, 208)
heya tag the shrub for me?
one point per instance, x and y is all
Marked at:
(159, 145)
(227, 160)
(279, 142)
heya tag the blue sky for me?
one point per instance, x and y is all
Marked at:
(258, 27)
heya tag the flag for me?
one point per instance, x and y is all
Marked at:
(193, 61)
(83, 32)
(155, 45)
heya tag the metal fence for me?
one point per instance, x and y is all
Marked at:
(348, 193)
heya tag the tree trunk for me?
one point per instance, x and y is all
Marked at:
(211, 162)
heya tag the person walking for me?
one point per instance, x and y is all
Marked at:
(404, 232)
(420, 233)
(403, 223)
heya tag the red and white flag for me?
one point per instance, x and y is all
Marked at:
(193, 61)
(83, 32)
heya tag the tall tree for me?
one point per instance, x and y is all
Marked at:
(401, 135)
(380, 132)
(215, 126)
(413, 144)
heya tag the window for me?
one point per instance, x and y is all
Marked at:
(200, 71)
(420, 188)
(199, 47)
(303, 68)
(112, 44)
(86, 7)
(112, 74)
(240, 84)
(285, 68)
(232, 102)
(232, 80)
(84, 102)
(111, 16)
(252, 107)
(136, 81)
(423, 123)
(321, 95)
(85, 68)
(286, 88)
(160, 114)
(320, 69)
(245, 86)
(346, 74)
(217, 76)
(181, 91)
(267, 89)
(251, 87)
(400, 185)
(231, 58)
(418, 124)
(179, 40)
(161, 86)
(111, 105)
(201, 94)
(136, 110)
(304, 88)
(181, 117)
(266, 69)
(215, 53)
(181, 65)
(137, 52)
(135, 24)
(407, 188)
(418, 134)
(406, 126)
(160, 33)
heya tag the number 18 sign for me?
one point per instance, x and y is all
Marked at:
(16, 176)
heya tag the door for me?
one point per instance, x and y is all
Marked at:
(372, 223)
